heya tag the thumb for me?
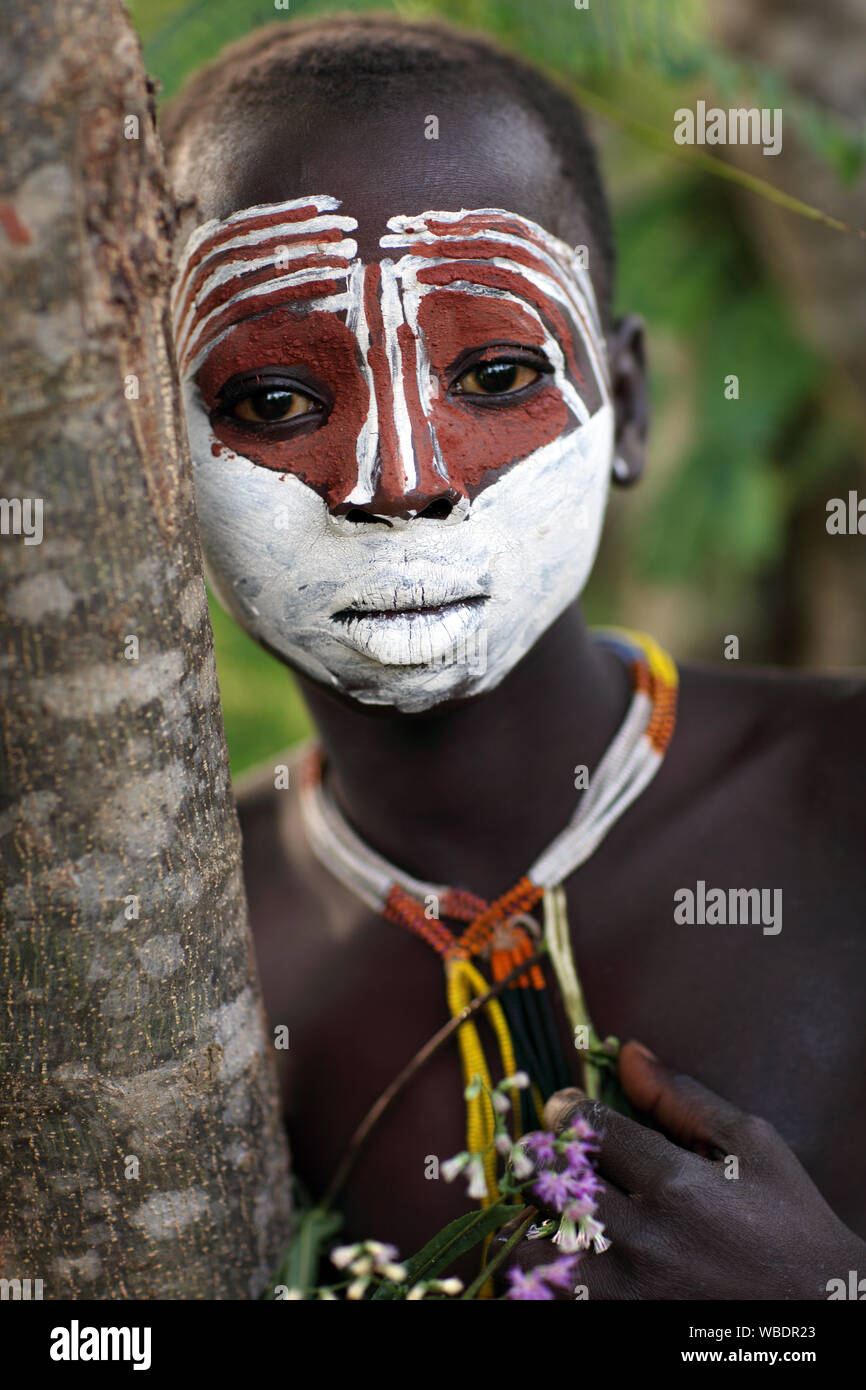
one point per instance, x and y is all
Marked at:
(686, 1111)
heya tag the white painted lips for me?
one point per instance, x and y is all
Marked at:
(405, 620)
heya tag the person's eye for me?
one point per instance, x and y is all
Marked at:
(271, 405)
(501, 377)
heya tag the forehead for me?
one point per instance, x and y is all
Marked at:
(488, 152)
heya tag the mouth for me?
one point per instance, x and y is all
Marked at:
(411, 629)
(406, 609)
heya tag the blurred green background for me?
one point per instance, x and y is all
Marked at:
(727, 532)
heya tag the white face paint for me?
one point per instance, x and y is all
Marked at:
(393, 609)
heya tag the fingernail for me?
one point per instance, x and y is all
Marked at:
(560, 1105)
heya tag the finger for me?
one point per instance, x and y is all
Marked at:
(630, 1156)
(604, 1275)
(691, 1114)
(614, 1212)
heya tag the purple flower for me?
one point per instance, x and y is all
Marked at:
(590, 1185)
(582, 1129)
(578, 1153)
(585, 1190)
(537, 1285)
(529, 1285)
(543, 1145)
(559, 1274)
(555, 1190)
(579, 1209)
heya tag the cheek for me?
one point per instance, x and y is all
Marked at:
(543, 523)
(478, 442)
(322, 456)
(244, 513)
(257, 529)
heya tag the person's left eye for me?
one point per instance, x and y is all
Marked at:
(501, 377)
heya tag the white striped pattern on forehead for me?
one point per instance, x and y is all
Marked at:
(407, 230)
(273, 222)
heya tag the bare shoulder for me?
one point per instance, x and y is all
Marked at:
(753, 714)
(773, 761)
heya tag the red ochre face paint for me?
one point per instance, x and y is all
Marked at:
(477, 441)
(421, 604)
(284, 290)
(323, 345)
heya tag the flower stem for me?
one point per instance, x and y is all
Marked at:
(501, 1254)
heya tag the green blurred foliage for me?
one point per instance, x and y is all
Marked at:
(684, 264)
(262, 707)
(727, 502)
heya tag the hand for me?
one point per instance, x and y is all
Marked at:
(679, 1227)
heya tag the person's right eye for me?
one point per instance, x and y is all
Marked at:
(272, 405)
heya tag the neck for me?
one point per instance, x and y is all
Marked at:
(470, 795)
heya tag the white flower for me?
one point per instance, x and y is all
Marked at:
(343, 1255)
(477, 1180)
(362, 1266)
(523, 1167)
(449, 1286)
(592, 1233)
(416, 1292)
(518, 1082)
(381, 1251)
(357, 1288)
(396, 1273)
(567, 1237)
(502, 1144)
(453, 1167)
(501, 1104)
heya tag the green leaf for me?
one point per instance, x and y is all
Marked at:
(300, 1265)
(452, 1242)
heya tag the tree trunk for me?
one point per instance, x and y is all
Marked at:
(141, 1148)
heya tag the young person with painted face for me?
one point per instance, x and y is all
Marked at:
(407, 399)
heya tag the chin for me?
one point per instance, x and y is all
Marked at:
(413, 665)
(371, 688)
(388, 686)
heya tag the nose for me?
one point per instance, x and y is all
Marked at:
(436, 503)
(408, 479)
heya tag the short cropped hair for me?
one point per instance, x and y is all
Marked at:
(339, 50)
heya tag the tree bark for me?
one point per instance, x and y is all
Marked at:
(141, 1148)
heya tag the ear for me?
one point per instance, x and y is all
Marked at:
(630, 397)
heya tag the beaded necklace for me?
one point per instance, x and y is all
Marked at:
(502, 932)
